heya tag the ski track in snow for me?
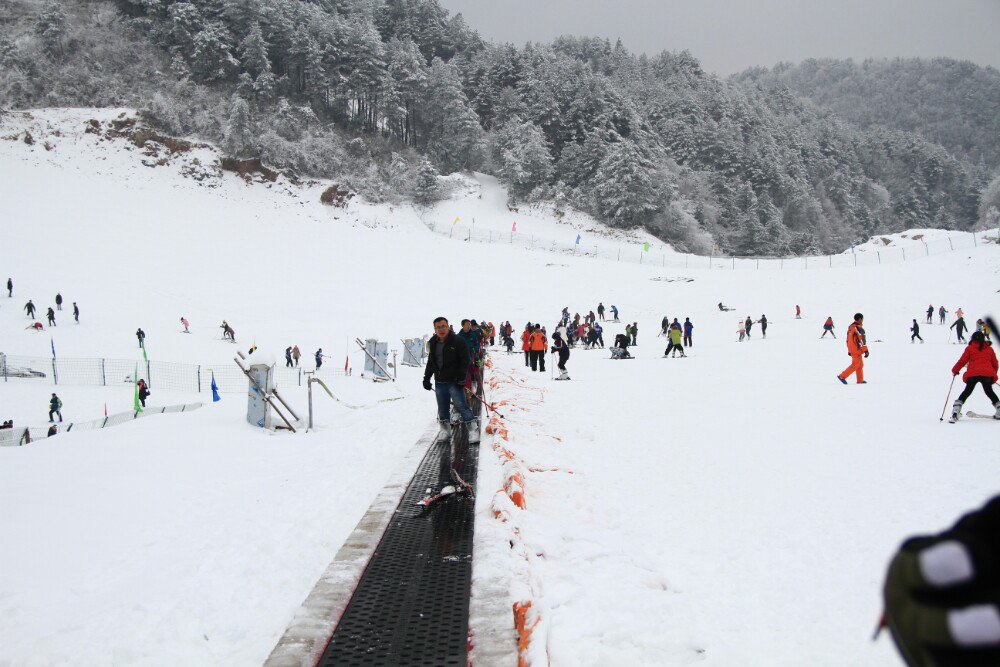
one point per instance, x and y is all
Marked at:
(737, 507)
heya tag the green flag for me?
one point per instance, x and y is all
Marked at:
(146, 359)
(645, 246)
(136, 405)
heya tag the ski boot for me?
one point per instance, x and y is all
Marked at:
(473, 427)
(563, 375)
(444, 434)
(996, 415)
(956, 412)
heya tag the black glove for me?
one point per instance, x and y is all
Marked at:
(866, 354)
(427, 384)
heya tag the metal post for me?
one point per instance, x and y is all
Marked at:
(394, 364)
(199, 378)
(309, 384)
(949, 243)
(734, 263)
(55, 374)
(904, 254)
(831, 260)
(300, 377)
(879, 256)
(3, 361)
(149, 379)
(104, 375)
(975, 241)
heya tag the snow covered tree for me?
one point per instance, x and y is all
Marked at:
(51, 28)
(522, 155)
(240, 138)
(253, 52)
(452, 132)
(427, 189)
(211, 59)
(623, 186)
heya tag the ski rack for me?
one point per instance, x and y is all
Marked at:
(265, 396)
(374, 361)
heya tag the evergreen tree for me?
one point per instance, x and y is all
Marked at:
(451, 129)
(427, 189)
(51, 28)
(211, 59)
(240, 138)
(623, 186)
(253, 53)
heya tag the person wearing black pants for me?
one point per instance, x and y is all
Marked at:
(916, 332)
(982, 362)
(763, 326)
(960, 328)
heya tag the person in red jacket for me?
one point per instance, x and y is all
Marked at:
(526, 344)
(857, 349)
(982, 361)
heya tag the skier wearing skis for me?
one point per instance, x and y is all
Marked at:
(319, 358)
(600, 311)
(295, 355)
(598, 334)
(30, 309)
(58, 301)
(688, 330)
(186, 324)
(930, 314)
(51, 314)
(940, 594)
(10, 288)
(828, 328)
(448, 362)
(675, 343)
(288, 357)
(141, 335)
(763, 326)
(560, 347)
(915, 329)
(749, 325)
(76, 312)
(941, 314)
(614, 312)
(227, 331)
(857, 349)
(55, 407)
(538, 344)
(982, 363)
(960, 328)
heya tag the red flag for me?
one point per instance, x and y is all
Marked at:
(513, 227)
(347, 361)
(105, 409)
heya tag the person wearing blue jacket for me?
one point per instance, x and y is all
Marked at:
(614, 312)
(688, 328)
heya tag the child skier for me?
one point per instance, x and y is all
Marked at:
(828, 328)
(982, 362)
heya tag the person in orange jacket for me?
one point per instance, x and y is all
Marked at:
(982, 362)
(857, 348)
(526, 344)
(539, 345)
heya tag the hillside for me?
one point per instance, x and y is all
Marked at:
(677, 510)
(383, 97)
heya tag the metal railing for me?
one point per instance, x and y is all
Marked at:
(23, 435)
(164, 375)
(638, 255)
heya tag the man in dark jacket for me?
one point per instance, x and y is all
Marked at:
(29, 308)
(448, 363)
(959, 326)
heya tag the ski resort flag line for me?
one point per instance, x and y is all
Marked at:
(215, 390)
(53, 347)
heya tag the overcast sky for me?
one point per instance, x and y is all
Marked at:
(728, 36)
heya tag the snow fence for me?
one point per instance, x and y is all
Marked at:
(18, 436)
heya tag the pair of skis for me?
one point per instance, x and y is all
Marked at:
(458, 486)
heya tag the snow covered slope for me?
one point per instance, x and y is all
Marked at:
(734, 507)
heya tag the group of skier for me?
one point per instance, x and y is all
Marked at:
(678, 335)
(50, 314)
(454, 361)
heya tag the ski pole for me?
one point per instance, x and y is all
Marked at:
(949, 397)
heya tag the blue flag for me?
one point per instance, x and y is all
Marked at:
(578, 239)
(53, 347)
(215, 390)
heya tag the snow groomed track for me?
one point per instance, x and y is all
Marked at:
(411, 606)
